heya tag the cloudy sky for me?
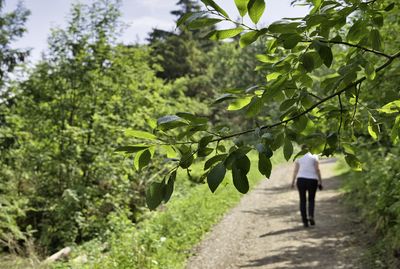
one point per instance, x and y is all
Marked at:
(140, 15)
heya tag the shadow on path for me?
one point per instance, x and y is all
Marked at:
(317, 245)
(284, 231)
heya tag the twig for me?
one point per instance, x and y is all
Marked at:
(351, 45)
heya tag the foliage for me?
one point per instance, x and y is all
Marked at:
(80, 146)
(316, 68)
(177, 52)
(76, 107)
(12, 205)
(165, 239)
(12, 28)
(375, 194)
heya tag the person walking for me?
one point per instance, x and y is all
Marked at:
(308, 177)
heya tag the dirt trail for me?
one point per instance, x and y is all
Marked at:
(265, 231)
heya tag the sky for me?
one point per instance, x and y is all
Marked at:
(140, 16)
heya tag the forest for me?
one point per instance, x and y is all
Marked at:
(129, 153)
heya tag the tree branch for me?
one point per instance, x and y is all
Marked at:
(358, 46)
(308, 110)
(352, 45)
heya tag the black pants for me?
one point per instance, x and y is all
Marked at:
(304, 185)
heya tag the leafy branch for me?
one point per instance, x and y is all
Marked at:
(308, 110)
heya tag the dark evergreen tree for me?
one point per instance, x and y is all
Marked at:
(175, 50)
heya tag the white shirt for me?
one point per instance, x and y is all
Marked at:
(307, 166)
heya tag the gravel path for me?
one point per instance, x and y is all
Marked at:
(265, 231)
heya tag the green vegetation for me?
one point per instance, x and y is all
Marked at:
(62, 181)
(97, 130)
(316, 69)
(164, 239)
(375, 194)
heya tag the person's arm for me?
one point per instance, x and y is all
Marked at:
(318, 172)
(296, 170)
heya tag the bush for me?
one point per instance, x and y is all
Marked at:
(165, 238)
(375, 192)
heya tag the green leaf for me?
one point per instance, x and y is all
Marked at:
(375, 39)
(272, 76)
(290, 40)
(325, 52)
(278, 141)
(348, 149)
(169, 151)
(392, 107)
(353, 162)
(240, 180)
(202, 149)
(370, 71)
(204, 141)
(308, 61)
(275, 87)
(389, 7)
(186, 160)
(285, 105)
(203, 152)
(154, 195)
(203, 22)
(223, 34)
(300, 123)
(287, 149)
(214, 160)
(378, 19)
(192, 118)
(184, 18)
(256, 9)
(356, 31)
(216, 176)
(283, 26)
(132, 149)
(317, 5)
(239, 103)
(216, 7)
(266, 58)
(140, 134)
(230, 159)
(264, 165)
(190, 16)
(332, 139)
(254, 107)
(373, 129)
(169, 187)
(170, 122)
(242, 6)
(243, 163)
(142, 159)
(315, 19)
(224, 97)
(395, 130)
(248, 38)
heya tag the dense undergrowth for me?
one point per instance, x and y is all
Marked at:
(375, 194)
